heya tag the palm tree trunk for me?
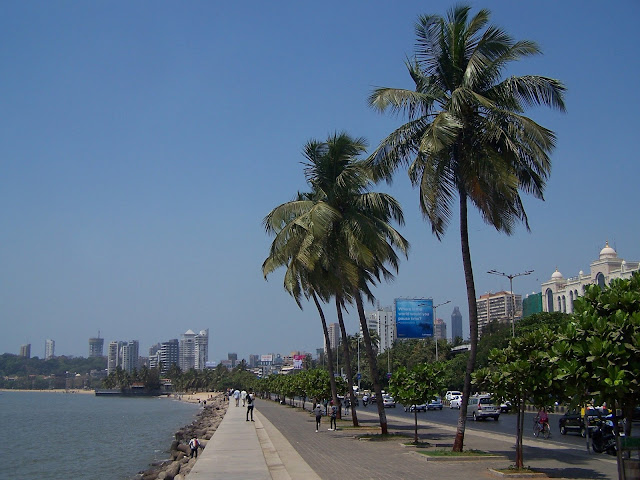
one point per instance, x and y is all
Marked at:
(458, 443)
(332, 379)
(347, 357)
(373, 364)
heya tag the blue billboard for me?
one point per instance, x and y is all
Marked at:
(414, 317)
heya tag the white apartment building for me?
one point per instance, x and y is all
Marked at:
(440, 329)
(498, 306)
(114, 358)
(334, 337)
(130, 354)
(558, 293)
(202, 349)
(187, 351)
(49, 349)
(382, 322)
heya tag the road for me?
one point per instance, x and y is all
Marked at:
(506, 425)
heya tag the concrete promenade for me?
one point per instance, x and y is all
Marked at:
(282, 444)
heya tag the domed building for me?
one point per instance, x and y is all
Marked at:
(558, 293)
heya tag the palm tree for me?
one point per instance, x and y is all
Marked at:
(466, 136)
(293, 226)
(346, 238)
(359, 241)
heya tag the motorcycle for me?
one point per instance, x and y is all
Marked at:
(603, 438)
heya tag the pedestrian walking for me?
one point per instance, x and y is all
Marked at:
(193, 445)
(333, 415)
(243, 396)
(249, 399)
(318, 411)
(236, 396)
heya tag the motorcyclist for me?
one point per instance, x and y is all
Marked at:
(365, 400)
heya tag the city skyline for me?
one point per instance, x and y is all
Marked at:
(141, 150)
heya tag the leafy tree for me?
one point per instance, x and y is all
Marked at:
(524, 371)
(418, 385)
(466, 136)
(598, 352)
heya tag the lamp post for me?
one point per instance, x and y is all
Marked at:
(513, 298)
(359, 336)
(435, 317)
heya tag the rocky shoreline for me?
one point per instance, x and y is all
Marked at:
(203, 427)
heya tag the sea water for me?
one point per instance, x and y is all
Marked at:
(62, 436)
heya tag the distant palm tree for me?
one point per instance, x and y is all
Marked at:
(466, 136)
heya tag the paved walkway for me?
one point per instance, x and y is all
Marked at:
(282, 444)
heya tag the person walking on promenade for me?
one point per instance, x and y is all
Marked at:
(333, 415)
(236, 395)
(243, 396)
(193, 445)
(318, 412)
(249, 399)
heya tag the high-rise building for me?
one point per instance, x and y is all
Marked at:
(49, 349)
(130, 354)
(114, 356)
(201, 349)
(498, 307)
(233, 358)
(531, 304)
(254, 360)
(382, 322)
(169, 354)
(456, 324)
(96, 345)
(334, 337)
(154, 355)
(25, 350)
(439, 329)
(187, 351)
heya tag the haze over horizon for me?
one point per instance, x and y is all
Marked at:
(141, 148)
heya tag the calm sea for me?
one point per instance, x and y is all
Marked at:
(62, 436)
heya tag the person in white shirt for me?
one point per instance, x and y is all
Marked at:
(243, 396)
(193, 445)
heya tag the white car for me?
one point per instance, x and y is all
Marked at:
(388, 401)
(452, 393)
(455, 402)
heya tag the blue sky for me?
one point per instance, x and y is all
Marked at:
(142, 144)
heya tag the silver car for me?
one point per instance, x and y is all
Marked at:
(482, 406)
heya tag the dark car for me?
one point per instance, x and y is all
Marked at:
(573, 421)
(435, 404)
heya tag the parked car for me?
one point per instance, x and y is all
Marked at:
(452, 393)
(435, 404)
(455, 402)
(416, 408)
(388, 401)
(573, 421)
(481, 407)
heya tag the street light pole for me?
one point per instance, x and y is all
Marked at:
(513, 298)
(435, 317)
(359, 362)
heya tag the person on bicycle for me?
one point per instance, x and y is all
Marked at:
(543, 419)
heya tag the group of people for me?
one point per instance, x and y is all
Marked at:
(247, 400)
(332, 411)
